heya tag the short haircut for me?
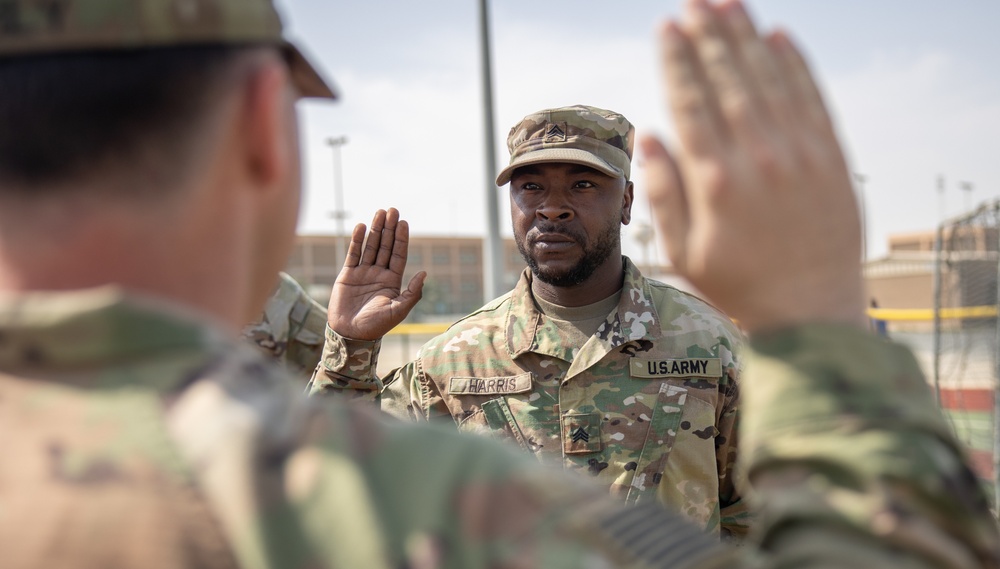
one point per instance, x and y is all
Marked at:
(69, 117)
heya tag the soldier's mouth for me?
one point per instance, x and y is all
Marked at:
(552, 242)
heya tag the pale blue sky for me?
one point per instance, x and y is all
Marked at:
(915, 86)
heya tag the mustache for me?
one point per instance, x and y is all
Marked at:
(552, 229)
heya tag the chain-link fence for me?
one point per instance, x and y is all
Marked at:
(965, 333)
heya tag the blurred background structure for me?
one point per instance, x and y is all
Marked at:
(937, 292)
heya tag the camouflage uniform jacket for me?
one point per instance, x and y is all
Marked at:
(851, 462)
(648, 406)
(133, 435)
(290, 328)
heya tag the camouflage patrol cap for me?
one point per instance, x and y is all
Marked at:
(579, 135)
(30, 27)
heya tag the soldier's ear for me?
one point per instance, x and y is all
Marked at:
(270, 125)
(627, 197)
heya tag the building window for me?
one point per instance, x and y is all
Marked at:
(469, 255)
(415, 255)
(470, 285)
(441, 255)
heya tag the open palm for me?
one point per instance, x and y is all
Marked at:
(367, 299)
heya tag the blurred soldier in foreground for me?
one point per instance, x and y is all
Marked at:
(137, 432)
(586, 364)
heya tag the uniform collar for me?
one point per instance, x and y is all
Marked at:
(634, 319)
(88, 329)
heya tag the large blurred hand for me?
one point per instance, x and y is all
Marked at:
(366, 301)
(756, 203)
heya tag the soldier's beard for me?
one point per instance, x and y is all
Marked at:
(593, 256)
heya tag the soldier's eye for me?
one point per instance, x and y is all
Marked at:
(583, 184)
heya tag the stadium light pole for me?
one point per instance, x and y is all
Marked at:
(338, 212)
(492, 251)
(966, 187)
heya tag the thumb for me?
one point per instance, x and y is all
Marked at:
(414, 291)
(667, 197)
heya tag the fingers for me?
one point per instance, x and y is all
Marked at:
(805, 96)
(696, 115)
(758, 63)
(388, 238)
(374, 238)
(724, 82)
(400, 248)
(388, 242)
(667, 197)
(354, 248)
(722, 68)
(414, 290)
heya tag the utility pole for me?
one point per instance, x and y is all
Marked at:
(860, 180)
(492, 249)
(338, 213)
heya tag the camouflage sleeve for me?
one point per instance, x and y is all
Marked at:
(851, 462)
(735, 516)
(317, 483)
(409, 395)
(290, 329)
(346, 369)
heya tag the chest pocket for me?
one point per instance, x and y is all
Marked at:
(668, 415)
(516, 409)
(500, 419)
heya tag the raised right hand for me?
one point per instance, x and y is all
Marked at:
(756, 201)
(366, 301)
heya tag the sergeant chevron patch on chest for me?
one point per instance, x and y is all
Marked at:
(581, 433)
(687, 367)
(520, 383)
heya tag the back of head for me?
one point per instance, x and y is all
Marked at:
(108, 103)
(98, 86)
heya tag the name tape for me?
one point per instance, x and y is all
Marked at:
(490, 385)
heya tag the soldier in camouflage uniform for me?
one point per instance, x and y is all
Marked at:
(586, 364)
(136, 431)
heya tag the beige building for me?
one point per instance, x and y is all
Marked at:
(905, 277)
(454, 268)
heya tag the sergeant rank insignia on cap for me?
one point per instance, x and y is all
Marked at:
(555, 134)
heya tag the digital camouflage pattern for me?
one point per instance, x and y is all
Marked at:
(578, 134)
(136, 436)
(290, 328)
(647, 407)
(52, 26)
